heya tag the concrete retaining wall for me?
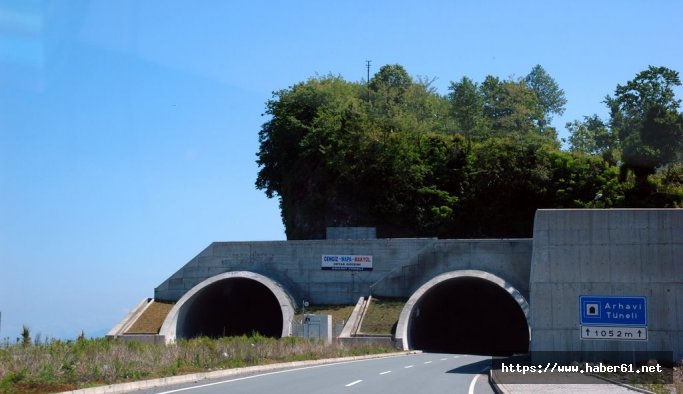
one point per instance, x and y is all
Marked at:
(635, 252)
(400, 266)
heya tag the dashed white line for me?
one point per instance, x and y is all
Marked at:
(385, 372)
(428, 362)
(444, 359)
(352, 383)
(408, 366)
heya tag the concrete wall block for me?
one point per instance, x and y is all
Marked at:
(595, 288)
(627, 235)
(678, 307)
(599, 218)
(597, 236)
(226, 249)
(189, 282)
(542, 220)
(594, 264)
(542, 339)
(657, 263)
(213, 271)
(176, 284)
(661, 222)
(540, 269)
(568, 236)
(625, 263)
(196, 272)
(565, 264)
(565, 305)
(676, 220)
(659, 339)
(566, 339)
(541, 238)
(661, 302)
(628, 218)
(541, 305)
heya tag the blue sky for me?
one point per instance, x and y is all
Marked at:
(128, 129)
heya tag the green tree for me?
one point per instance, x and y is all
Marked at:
(334, 158)
(511, 107)
(645, 115)
(550, 97)
(304, 150)
(467, 107)
(592, 136)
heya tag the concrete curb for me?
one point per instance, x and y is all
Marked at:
(196, 377)
(628, 386)
(501, 389)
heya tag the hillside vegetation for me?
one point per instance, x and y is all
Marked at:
(393, 153)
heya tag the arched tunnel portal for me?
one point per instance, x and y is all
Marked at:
(468, 312)
(231, 304)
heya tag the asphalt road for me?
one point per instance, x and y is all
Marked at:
(409, 374)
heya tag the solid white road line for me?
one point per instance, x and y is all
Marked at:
(257, 376)
(474, 381)
(385, 372)
(352, 383)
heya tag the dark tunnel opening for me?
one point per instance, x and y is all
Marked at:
(232, 307)
(469, 315)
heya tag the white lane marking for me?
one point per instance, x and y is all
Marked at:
(385, 372)
(408, 366)
(352, 383)
(474, 382)
(265, 374)
(444, 359)
(428, 362)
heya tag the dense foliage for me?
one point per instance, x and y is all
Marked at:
(393, 153)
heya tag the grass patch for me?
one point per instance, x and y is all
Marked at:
(382, 316)
(151, 319)
(55, 365)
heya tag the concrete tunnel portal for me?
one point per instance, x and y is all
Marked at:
(231, 304)
(466, 312)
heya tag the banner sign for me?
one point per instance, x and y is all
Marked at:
(346, 262)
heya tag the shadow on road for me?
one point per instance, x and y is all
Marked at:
(472, 368)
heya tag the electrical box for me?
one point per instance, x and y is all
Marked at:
(318, 326)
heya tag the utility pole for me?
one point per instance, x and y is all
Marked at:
(367, 81)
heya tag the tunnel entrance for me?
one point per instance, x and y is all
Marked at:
(231, 304)
(232, 307)
(468, 315)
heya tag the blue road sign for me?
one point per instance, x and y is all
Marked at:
(613, 310)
